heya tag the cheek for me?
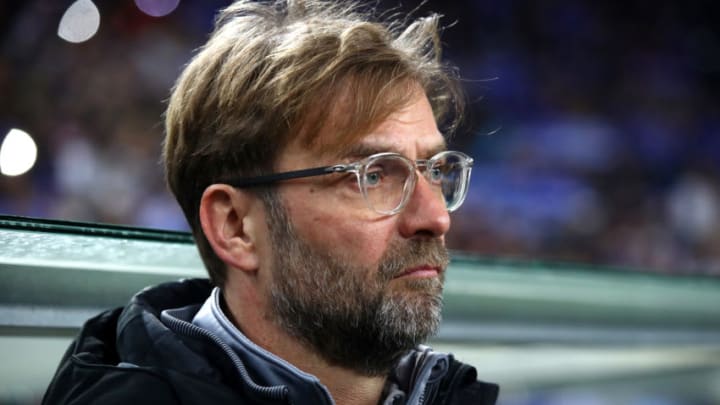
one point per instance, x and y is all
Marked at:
(332, 223)
(357, 239)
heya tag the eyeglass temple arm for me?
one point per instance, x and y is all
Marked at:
(296, 174)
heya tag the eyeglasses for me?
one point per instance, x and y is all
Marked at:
(387, 180)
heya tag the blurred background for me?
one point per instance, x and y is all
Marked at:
(595, 126)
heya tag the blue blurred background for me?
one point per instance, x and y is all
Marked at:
(595, 126)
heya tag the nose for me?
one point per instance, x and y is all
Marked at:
(425, 215)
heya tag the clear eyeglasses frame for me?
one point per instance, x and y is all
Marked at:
(387, 180)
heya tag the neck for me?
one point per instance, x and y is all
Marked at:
(346, 386)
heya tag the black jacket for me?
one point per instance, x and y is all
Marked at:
(134, 355)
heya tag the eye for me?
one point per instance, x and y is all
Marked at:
(436, 173)
(373, 178)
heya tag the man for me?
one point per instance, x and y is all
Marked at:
(302, 144)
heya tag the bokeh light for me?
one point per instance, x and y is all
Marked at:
(157, 8)
(18, 153)
(80, 22)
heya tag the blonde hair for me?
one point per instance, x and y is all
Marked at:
(267, 75)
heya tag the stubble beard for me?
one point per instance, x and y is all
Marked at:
(348, 314)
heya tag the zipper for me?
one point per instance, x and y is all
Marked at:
(276, 393)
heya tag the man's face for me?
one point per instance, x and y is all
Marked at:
(360, 288)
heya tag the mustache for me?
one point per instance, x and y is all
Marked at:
(406, 254)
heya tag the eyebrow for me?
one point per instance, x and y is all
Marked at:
(363, 150)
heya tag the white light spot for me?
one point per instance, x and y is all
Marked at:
(80, 21)
(17, 153)
(157, 8)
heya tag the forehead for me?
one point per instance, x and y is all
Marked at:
(410, 131)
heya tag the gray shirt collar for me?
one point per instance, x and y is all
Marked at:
(264, 367)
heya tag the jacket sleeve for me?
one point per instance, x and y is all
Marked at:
(88, 372)
(77, 384)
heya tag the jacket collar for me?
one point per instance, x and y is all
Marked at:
(265, 368)
(181, 326)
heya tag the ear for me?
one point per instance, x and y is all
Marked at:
(228, 224)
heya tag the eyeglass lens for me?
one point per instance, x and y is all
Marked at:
(452, 178)
(389, 181)
(385, 181)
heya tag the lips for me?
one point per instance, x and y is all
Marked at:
(424, 271)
